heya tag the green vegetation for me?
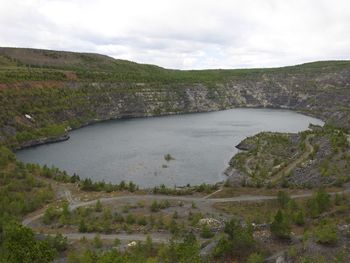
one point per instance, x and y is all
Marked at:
(267, 156)
(292, 213)
(255, 258)
(18, 244)
(64, 89)
(20, 190)
(100, 218)
(287, 160)
(238, 242)
(181, 251)
(206, 232)
(168, 157)
(188, 190)
(320, 203)
(45, 93)
(326, 233)
(280, 226)
(88, 185)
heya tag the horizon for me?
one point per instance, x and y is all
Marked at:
(184, 34)
(189, 69)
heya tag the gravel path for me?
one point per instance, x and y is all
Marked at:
(205, 205)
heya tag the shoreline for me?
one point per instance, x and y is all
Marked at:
(66, 136)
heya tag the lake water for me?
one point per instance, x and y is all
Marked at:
(134, 149)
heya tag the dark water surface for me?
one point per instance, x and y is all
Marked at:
(134, 149)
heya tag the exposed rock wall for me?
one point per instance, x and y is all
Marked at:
(325, 95)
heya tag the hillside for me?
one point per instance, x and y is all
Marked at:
(62, 90)
(44, 94)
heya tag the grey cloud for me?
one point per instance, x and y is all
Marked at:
(184, 34)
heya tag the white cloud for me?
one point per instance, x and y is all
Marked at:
(184, 34)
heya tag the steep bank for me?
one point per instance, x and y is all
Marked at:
(42, 93)
(320, 156)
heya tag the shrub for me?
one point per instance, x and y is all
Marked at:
(58, 242)
(82, 226)
(142, 221)
(206, 232)
(319, 203)
(97, 242)
(255, 258)
(283, 198)
(154, 207)
(239, 240)
(130, 219)
(20, 245)
(299, 218)
(326, 233)
(98, 206)
(50, 215)
(280, 226)
(168, 157)
(116, 242)
(175, 215)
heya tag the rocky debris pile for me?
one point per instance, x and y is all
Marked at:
(213, 223)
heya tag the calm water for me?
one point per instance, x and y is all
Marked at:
(134, 149)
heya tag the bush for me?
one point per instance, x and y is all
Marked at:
(19, 245)
(206, 232)
(299, 218)
(255, 258)
(280, 226)
(97, 242)
(58, 242)
(130, 219)
(50, 215)
(154, 207)
(326, 233)
(98, 206)
(142, 221)
(168, 157)
(185, 251)
(319, 203)
(82, 226)
(239, 240)
(283, 198)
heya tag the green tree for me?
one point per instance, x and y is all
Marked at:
(65, 213)
(255, 258)
(20, 245)
(98, 206)
(323, 199)
(283, 198)
(326, 233)
(154, 207)
(319, 203)
(97, 242)
(116, 242)
(186, 251)
(206, 232)
(82, 226)
(239, 240)
(299, 218)
(59, 242)
(50, 215)
(280, 226)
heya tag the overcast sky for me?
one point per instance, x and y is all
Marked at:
(184, 34)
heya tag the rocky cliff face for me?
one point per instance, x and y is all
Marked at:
(66, 94)
(325, 95)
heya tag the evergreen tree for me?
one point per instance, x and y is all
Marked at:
(280, 226)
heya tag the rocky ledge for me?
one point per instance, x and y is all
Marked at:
(312, 158)
(43, 140)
